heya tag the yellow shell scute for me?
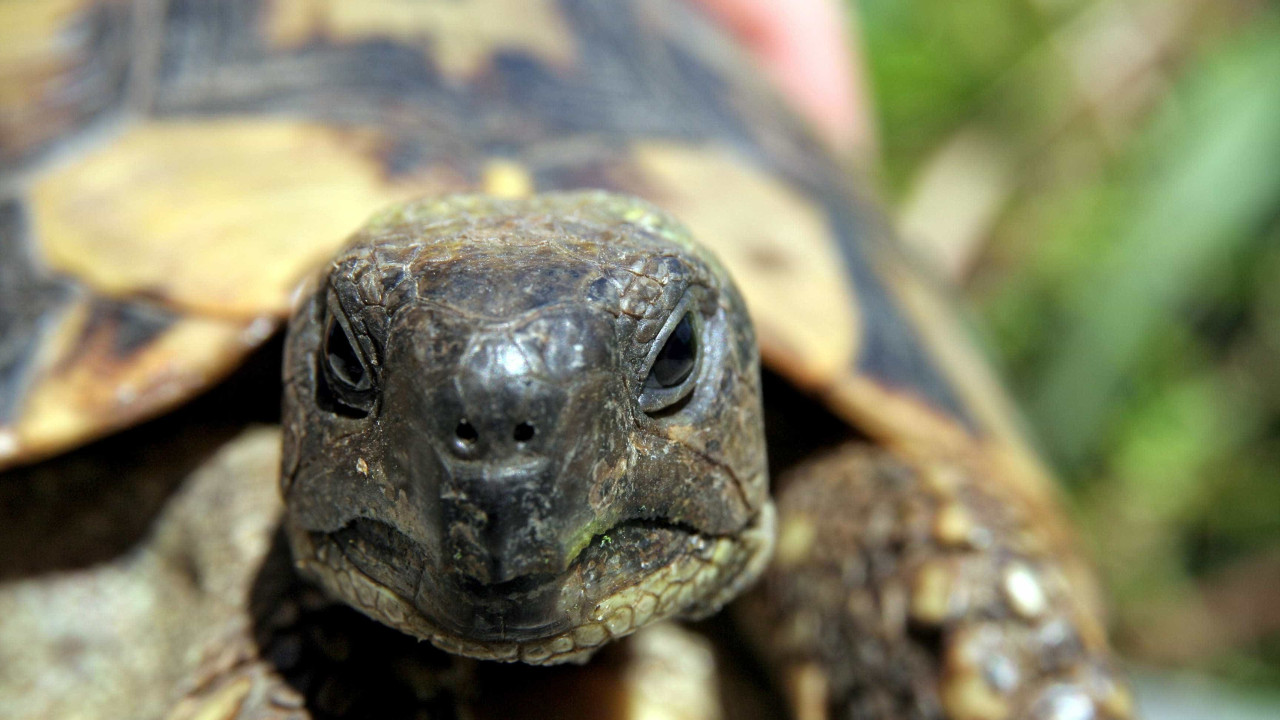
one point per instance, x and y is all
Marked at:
(221, 217)
(87, 389)
(506, 179)
(780, 253)
(30, 31)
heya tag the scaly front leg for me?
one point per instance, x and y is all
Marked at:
(922, 591)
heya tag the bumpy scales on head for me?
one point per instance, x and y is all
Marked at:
(519, 428)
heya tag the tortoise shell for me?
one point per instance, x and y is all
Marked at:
(171, 170)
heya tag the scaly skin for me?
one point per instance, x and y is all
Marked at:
(911, 590)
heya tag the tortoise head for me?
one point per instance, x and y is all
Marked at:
(519, 428)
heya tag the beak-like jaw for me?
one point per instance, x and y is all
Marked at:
(633, 575)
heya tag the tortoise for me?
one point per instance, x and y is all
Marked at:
(523, 415)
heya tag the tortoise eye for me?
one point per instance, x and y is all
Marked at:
(677, 358)
(343, 361)
(345, 386)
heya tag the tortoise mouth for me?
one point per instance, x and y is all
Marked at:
(637, 572)
(526, 608)
(383, 553)
(513, 590)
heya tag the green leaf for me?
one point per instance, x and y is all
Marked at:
(1206, 200)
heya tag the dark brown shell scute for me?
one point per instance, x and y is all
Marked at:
(891, 350)
(627, 80)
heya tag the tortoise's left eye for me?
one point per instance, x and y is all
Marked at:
(673, 367)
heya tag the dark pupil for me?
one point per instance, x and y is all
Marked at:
(676, 358)
(343, 361)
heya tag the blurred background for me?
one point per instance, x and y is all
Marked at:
(1101, 179)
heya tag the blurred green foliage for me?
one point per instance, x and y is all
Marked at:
(1128, 275)
(933, 62)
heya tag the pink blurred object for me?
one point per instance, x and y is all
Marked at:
(810, 47)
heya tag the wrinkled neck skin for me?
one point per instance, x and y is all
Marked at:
(521, 428)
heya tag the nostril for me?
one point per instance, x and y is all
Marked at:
(466, 432)
(523, 432)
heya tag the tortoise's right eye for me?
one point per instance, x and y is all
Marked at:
(343, 361)
(345, 385)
